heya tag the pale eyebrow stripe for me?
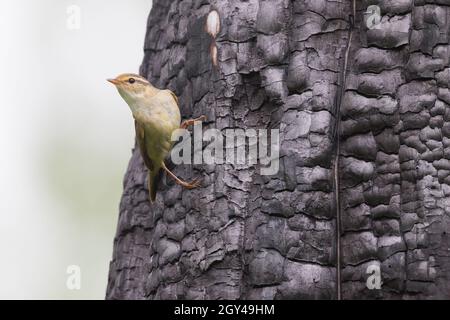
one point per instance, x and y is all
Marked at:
(135, 77)
(141, 82)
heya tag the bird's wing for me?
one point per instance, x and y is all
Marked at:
(174, 96)
(140, 138)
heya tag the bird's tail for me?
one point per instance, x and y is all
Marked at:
(154, 177)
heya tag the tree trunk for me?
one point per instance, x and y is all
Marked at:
(364, 179)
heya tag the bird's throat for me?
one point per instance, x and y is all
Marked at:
(138, 100)
(134, 100)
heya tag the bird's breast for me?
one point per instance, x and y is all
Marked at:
(159, 126)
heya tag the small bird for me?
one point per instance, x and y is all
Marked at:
(156, 116)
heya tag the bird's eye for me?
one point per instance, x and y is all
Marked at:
(131, 80)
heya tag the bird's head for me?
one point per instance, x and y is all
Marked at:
(131, 87)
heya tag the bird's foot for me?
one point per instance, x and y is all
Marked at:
(193, 184)
(188, 185)
(191, 122)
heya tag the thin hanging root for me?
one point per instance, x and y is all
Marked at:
(188, 185)
(191, 122)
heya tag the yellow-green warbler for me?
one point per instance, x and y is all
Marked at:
(156, 116)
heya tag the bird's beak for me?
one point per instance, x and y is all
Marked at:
(114, 81)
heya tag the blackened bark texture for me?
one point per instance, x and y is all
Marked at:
(396, 149)
(243, 235)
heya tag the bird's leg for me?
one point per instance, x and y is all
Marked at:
(188, 185)
(191, 122)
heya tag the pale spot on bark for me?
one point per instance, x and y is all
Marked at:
(213, 23)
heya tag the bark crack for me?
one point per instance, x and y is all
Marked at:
(337, 153)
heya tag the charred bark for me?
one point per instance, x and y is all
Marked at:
(364, 156)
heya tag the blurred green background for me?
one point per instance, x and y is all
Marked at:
(65, 139)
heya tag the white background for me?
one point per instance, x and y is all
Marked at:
(65, 141)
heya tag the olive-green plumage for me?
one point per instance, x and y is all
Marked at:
(157, 116)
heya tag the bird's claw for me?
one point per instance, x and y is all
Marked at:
(194, 184)
(191, 122)
(201, 118)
